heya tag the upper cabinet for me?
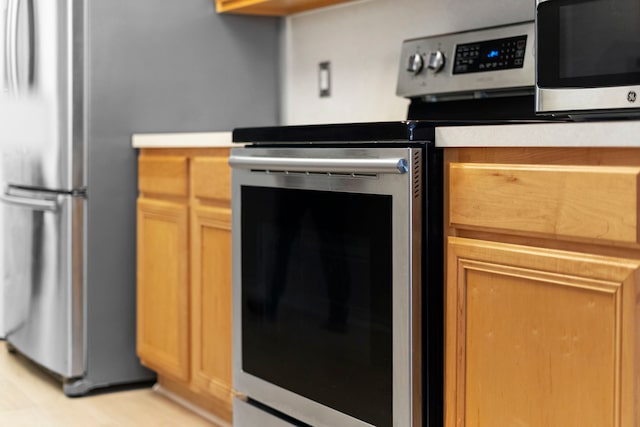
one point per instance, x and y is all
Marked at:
(271, 7)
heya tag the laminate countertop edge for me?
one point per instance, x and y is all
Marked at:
(623, 133)
(184, 140)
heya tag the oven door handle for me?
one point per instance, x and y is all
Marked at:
(321, 165)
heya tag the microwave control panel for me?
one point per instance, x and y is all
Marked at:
(470, 62)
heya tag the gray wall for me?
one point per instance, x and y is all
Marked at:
(167, 65)
(156, 66)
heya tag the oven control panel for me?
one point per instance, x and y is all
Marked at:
(490, 55)
(457, 64)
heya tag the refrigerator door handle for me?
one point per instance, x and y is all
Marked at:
(50, 205)
(12, 33)
(29, 23)
(6, 12)
(31, 43)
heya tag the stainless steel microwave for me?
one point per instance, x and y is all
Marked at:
(588, 57)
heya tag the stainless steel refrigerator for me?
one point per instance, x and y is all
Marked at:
(82, 76)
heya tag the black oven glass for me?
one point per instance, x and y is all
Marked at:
(588, 43)
(316, 296)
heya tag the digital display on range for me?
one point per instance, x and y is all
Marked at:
(490, 55)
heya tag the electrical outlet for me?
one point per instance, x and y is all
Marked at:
(324, 79)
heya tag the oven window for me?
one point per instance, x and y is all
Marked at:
(316, 296)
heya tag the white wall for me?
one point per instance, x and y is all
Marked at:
(362, 40)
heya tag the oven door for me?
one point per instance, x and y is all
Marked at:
(587, 55)
(327, 282)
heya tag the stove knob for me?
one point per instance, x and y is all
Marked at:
(416, 63)
(436, 61)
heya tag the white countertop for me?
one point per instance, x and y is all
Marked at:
(183, 140)
(580, 134)
(575, 134)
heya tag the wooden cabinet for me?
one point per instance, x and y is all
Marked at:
(271, 7)
(162, 297)
(540, 335)
(184, 273)
(211, 279)
(543, 271)
(211, 261)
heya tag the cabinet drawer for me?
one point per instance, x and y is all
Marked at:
(163, 175)
(212, 178)
(564, 202)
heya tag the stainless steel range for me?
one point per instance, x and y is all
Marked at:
(337, 244)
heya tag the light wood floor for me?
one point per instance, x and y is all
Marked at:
(30, 397)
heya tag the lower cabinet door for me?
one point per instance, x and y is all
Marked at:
(163, 292)
(211, 305)
(539, 337)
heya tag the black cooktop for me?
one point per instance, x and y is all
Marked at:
(423, 118)
(409, 130)
(339, 132)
